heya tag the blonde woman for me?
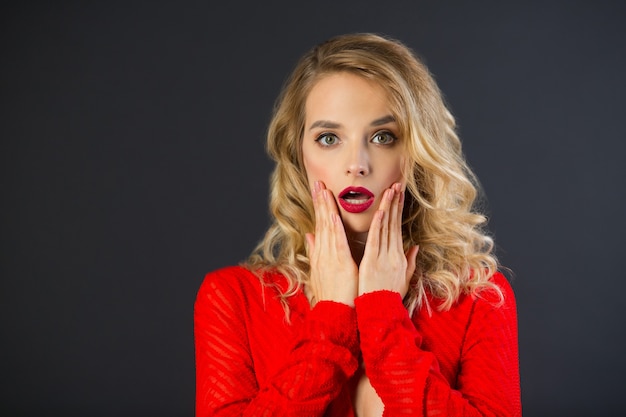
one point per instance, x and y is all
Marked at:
(375, 291)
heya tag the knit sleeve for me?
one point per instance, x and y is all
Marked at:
(322, 356)
(407, 377)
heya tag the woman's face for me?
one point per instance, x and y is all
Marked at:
(351, 143)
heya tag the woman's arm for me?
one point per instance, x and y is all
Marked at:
(407, 377)
(322, 357)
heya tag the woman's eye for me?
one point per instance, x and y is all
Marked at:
(384, 138)
(327, 140)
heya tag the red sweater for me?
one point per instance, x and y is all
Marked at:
(251, 362)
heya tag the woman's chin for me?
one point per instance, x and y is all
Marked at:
(356, 226)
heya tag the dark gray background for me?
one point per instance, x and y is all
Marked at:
(132, 163)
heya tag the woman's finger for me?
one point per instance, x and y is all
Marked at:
(316, 206)
(386, 206)
(372, 244)
(395, 222)
(322, 216)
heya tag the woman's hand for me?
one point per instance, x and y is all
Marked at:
(385, 266)
(334, 274)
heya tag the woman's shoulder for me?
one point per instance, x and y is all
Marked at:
(239, 279)
(229, 276)
(494, 292)
(229, 273)
(240, 293)
(495, 303)
(501, 295)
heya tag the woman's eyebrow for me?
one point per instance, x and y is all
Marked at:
(383, 121)
(326, 124)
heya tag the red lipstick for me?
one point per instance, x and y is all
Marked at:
(356, 199)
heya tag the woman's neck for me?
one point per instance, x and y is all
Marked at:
(357, 245)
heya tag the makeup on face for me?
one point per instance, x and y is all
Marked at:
(356, 199)
(351, 144)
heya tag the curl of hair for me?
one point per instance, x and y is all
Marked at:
(440, 214)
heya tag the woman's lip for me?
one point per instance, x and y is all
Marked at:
(358, 207)
(360, 190)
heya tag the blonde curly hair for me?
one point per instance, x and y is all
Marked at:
(456, 255)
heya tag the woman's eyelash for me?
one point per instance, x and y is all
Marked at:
(327, 139)
(389, 137)
(383, 138)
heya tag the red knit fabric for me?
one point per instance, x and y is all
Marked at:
(251, 362)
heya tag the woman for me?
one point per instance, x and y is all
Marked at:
(375, 291)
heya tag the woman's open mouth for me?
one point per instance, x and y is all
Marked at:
(356, 199)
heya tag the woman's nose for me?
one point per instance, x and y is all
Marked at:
(358, 163)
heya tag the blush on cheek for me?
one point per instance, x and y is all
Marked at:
(315, 172)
